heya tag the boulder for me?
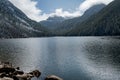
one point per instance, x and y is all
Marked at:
(53, 77)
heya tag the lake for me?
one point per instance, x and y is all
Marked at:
(71, 58)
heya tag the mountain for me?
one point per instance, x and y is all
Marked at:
(104, 23)
(99, 20)
(14, 23)
(52, 22)
(66, 25)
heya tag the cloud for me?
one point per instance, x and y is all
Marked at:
(61, 12)
(30, 9)
(89, 3)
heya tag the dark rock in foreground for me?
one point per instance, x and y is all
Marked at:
(8, 72)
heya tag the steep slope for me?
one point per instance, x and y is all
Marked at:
(14, 23)
(69, 24)
(106, 22)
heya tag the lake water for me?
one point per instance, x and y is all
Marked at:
(71, 58)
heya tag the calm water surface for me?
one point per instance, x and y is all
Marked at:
(72, 58)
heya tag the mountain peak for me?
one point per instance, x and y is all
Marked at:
(94, 9)
(54, 18)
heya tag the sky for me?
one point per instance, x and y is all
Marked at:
(39, 10)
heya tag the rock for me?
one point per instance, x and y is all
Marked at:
(8, 72)
(53, 77)
(6, 67)
(6, 78)
(25, 76)
(18, 72)
(18, 68)
(36, 73)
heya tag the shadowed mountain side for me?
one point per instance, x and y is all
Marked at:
(104, 23)
(66, 25)
(14, 23)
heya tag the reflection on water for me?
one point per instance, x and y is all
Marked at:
(77, 58)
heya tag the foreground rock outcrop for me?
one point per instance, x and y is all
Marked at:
(8, 72)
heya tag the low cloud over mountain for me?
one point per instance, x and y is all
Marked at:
(30, 8)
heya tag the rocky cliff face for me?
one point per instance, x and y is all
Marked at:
(14, 23)
(104, 23)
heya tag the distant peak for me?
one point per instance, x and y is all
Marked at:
(56, 18)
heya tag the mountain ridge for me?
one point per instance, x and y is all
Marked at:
(104, 23)
(52, 22)
(15, 24)
(67, 25)
(99, 20)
